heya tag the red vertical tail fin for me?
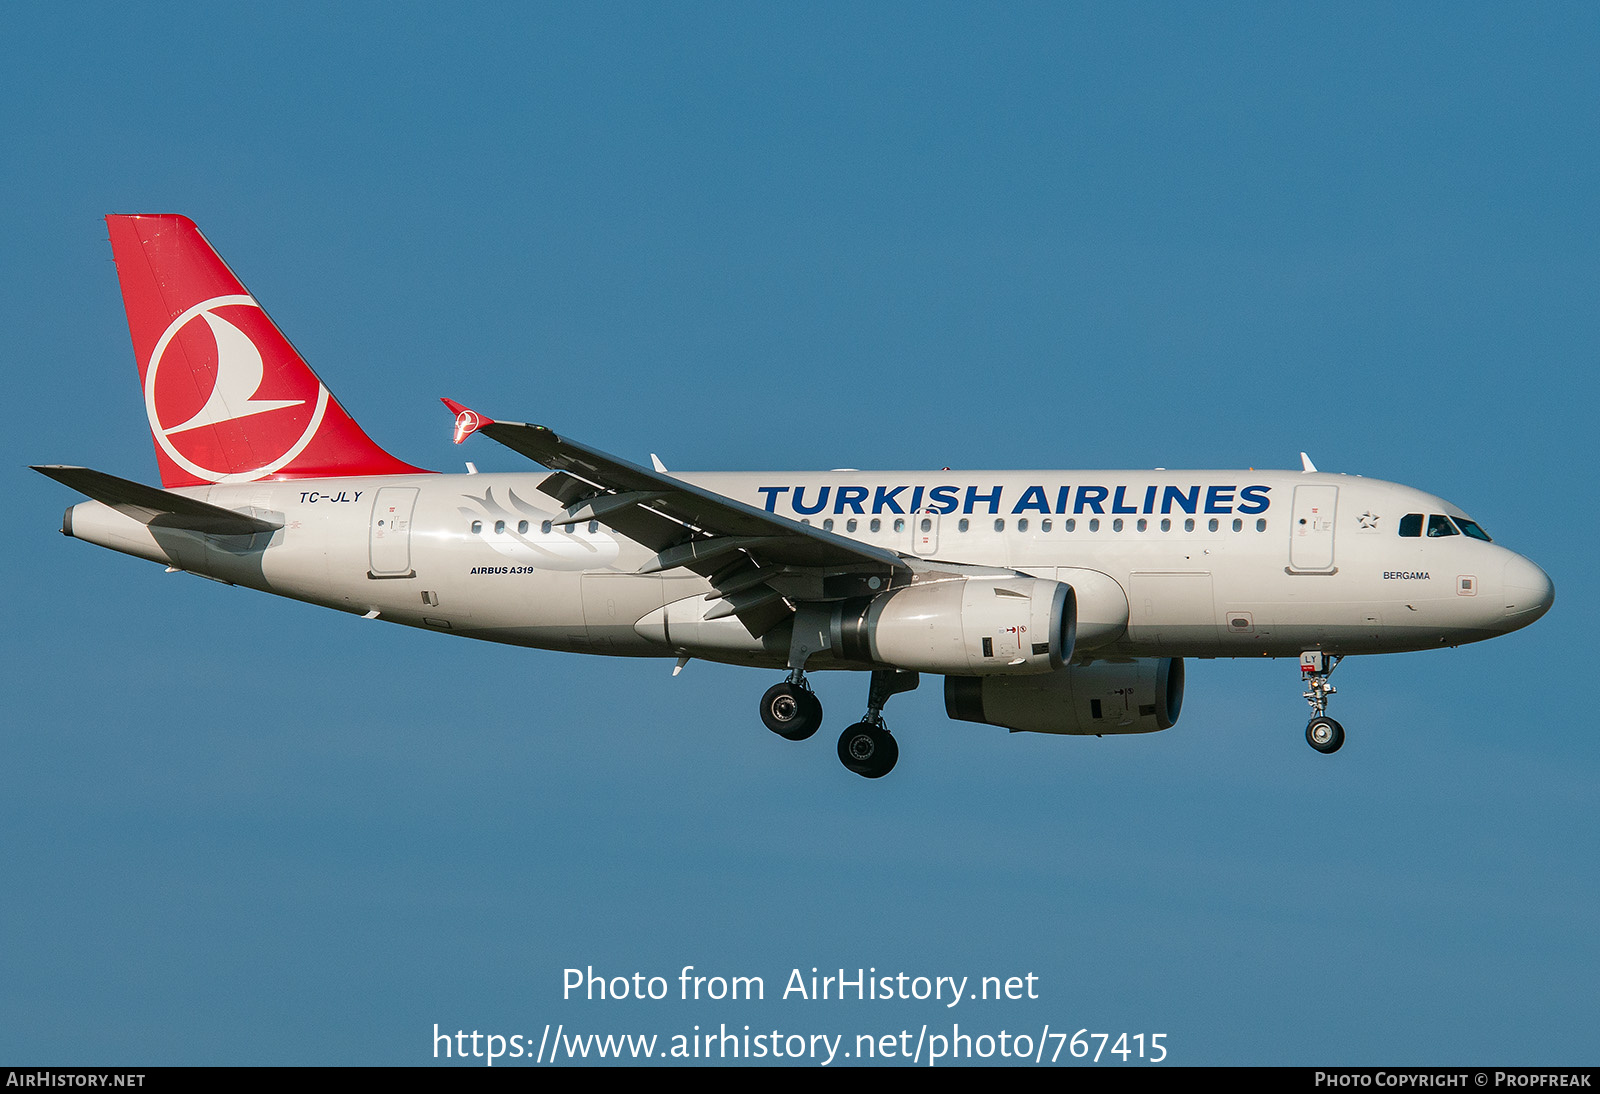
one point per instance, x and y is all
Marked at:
(229, 399)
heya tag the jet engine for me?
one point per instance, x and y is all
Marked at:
(1140, 696)
(976, 626)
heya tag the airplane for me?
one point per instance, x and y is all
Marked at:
(1057, 602)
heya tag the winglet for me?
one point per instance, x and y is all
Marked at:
(1306, 466)
(468, 422)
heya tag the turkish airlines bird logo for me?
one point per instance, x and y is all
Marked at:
(220, 391)
(467, 423)
(239, 373)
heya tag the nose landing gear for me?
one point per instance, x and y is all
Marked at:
(1322, 733)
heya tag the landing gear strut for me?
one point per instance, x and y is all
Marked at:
(790, 709)
(866, 747)
(1322, 733)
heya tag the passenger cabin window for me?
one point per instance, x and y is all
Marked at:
(1439, 525)
(1411, 525)
(477, 527)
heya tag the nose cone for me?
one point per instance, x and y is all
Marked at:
(1529, 592)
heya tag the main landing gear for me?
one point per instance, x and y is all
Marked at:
(792, 711)
(1322, 732)
(866, 747)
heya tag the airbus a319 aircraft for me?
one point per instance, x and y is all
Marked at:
(1050, 601)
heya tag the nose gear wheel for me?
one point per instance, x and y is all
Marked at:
(1324, 734)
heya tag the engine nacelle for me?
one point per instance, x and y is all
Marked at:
(1140, 696)
(1102, 606)
(976, 626)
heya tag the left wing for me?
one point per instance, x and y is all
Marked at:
(759, 563)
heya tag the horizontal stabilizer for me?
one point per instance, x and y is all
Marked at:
(161, 508)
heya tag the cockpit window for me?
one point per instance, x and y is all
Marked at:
(1411, 525)
(1439, 525)
(1470, 527)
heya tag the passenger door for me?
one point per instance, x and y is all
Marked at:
(1311, 529)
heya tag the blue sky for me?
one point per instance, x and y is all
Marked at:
(244, 830)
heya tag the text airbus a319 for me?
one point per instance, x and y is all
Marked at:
(1050, 601)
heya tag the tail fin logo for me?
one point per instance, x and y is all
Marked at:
(221, 381)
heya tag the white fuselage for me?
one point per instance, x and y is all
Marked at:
(1166, 563)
